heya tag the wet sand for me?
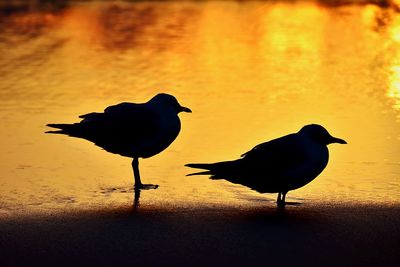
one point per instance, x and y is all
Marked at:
(306, 235)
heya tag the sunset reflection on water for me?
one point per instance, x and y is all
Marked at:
(250, 71)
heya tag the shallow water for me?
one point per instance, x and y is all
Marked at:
(250, 71)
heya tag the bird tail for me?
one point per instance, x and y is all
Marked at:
(217, 169)
(205, 166)
(63, 128)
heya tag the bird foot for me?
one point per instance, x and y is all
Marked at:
(146, 186)
(281, 204)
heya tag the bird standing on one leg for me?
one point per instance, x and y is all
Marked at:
(277, 166)
(131, 130)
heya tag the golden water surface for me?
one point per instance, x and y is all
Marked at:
(250, 71)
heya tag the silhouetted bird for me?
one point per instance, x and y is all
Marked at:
(280, 165)
(131, 130)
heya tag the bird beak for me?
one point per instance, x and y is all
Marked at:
(337, 140)
(185, 109)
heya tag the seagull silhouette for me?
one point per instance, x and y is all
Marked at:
(131, 130)
(279, 165)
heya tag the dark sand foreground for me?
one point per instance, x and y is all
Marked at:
(320, 235)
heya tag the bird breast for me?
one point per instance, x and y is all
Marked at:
(316, 159)
(169, 128)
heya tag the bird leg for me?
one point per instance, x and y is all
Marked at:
(280, 201)
(136, 174)
(284, 197)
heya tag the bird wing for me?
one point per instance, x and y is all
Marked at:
(90, 115)
(266, 167)
(124, 107)
(123, 125)
(119, 109)
(278, 154)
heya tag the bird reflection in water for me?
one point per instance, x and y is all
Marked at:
(131, 130)
(136, 198)
(277, 166)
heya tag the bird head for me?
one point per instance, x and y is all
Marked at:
(168, 102)
(320, 135)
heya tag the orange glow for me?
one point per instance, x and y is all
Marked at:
(394, 69)
(250, 71)
(395, 33)
(394, 86)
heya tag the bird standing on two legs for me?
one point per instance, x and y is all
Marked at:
(131, 130)
(277, 166)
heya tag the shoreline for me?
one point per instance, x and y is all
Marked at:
(312, 235)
